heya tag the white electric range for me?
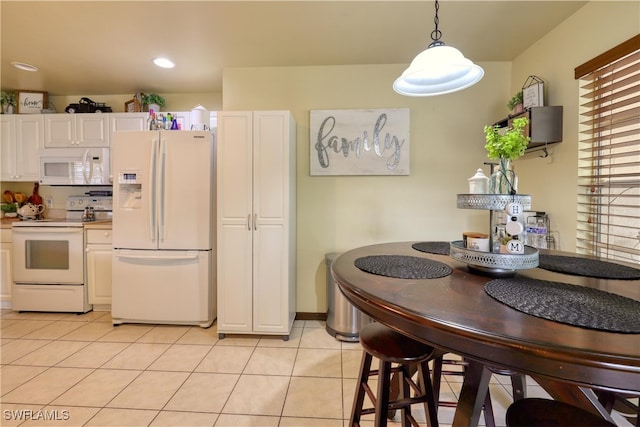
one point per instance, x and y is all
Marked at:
(48, 258)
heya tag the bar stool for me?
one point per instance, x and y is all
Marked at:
(518, 384)
(389, 346)
(535, 412)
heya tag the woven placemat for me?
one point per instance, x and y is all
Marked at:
(566, 303)
(403, 267)
(587, 267)
(439, 248)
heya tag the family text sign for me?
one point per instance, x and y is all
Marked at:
(359, 142)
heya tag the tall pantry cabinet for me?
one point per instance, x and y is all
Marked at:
(256, 222)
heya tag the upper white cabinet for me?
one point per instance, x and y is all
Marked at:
(76, 130)
(128, 121)
(256, 235)
(21, 138)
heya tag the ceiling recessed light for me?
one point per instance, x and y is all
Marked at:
(25, 67)
(164, 63)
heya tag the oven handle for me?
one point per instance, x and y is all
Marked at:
(36, 229)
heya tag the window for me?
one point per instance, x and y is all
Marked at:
(609, 154)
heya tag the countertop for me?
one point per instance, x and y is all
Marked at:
(6, 223)
(98, 225)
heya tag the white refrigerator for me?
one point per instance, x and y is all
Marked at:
(163, 227)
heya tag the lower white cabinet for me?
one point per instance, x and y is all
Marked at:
(6, 275)
(98, 267)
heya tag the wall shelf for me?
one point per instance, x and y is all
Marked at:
(544, 128)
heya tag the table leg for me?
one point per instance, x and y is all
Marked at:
(472, 395)
(582, 397)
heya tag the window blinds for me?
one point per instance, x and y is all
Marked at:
(609, 156)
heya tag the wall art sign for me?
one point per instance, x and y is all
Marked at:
(533, 92)
(31, 102)
(359, 142)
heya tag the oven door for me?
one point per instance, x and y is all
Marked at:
(48, 255)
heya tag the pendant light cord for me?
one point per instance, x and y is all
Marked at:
(436, 33)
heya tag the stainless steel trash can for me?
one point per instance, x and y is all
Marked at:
(344, 320)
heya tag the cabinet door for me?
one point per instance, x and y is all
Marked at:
(234, 221)
(99, 273)
(59, 130)
(8, 147)
(29, 142)
(127, 121)
(92, 130)
(271, 206)
(82, 130)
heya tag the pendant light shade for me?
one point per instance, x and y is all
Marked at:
(438, 70)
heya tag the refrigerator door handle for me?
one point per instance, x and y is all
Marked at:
(162, 202)
(183, 256)
(153, 190)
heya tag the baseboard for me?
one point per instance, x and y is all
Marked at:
(311, 316)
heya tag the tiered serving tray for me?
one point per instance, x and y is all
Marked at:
(492, 202)
(490, 263)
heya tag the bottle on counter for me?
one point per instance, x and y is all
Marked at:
(35, 198)
(151, 120)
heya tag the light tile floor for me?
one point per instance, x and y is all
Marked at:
(79, 370)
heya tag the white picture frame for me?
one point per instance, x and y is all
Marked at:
(359, 142)
(31, 102)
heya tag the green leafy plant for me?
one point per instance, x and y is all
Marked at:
(8, 207)
(8, 98)
(506, 143)
(152, 98)
(515, 100)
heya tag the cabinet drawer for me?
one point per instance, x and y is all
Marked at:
(99, 236)
(5, 235)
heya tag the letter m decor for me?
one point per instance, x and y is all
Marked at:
(359, 142)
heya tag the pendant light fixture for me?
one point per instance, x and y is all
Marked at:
(438, 70)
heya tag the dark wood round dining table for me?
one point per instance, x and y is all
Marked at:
(454, 314)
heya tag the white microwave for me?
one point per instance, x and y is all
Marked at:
(75, 166)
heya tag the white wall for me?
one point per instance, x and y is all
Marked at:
(592, 30)
(339, 213)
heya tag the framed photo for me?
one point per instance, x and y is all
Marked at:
(132, 106)
(31, 102)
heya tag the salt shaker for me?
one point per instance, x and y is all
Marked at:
(479, 183)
